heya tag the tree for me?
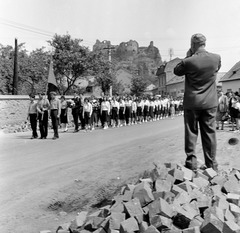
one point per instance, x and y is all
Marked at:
(138, 85)
(34, 71)
(104, 71)
(70, 61)
(6, 69)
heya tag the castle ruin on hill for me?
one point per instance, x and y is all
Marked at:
(143, 61)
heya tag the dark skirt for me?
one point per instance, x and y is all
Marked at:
(121, 114)
(151, 114)
(63, 116)
(115, 113)
(139, 111)
(87, 118)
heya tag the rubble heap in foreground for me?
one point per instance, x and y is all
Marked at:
(173, 199)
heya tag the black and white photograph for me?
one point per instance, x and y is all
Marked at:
(119, 116)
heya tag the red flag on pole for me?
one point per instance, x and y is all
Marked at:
(52, 83)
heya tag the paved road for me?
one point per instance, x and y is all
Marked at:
(33, 171)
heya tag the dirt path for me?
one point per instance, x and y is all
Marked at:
(41, 181)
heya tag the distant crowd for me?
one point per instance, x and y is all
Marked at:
(228, 110)
(91, 112)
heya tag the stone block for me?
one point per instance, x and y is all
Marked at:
(129, 225)
(177, 174)
(216, 211)
(188, 174)
(161, 222)
(162, 186)
(167, 196)
(160, 207)
(204, 201)
(216, 190)
(233, 198)
(221, 202)
(196, 221)
(81, 218)
(171, 179)
(177, 190)
(191, 209)
(212, 224)
(210, 173)
(195, 229)
(186, 186)
(181, 220)
(231, 227)
(112, 231)
(127, 196)
(151, 229)
(200, 182)
(234, 209)
(117, 207)
(199, 173)
(218, 180)
(143, 192)
(93, 223)
(228, 216)
(159, 172)
(134, 209)
(115, 220)
(100, 230)
(143, 226)
(182, 198)
(231, 186)
(171, 166)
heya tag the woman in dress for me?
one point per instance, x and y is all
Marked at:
(87, 112)
(222, 109)
(105, 111)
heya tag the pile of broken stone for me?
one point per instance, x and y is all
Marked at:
(172, 199)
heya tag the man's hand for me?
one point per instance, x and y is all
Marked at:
(189, 53)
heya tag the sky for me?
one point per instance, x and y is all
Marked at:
(168, 23)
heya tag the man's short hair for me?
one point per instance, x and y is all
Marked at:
(198, 38)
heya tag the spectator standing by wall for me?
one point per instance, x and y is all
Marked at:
(32, 116)
(200, 100)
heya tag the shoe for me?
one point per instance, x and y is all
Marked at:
(32, 137)
(65, 130)
(75, 131)
(54, 138)
(191, 162)
(41, 138)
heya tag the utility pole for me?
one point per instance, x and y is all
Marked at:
(109, 48)
(170, 51)
(15, 70)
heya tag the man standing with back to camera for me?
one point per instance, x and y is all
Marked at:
(200, 101)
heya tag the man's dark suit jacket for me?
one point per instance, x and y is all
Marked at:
(200, 72)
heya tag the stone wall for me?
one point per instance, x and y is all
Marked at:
(13, 109)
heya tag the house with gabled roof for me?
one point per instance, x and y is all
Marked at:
(231, 80)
